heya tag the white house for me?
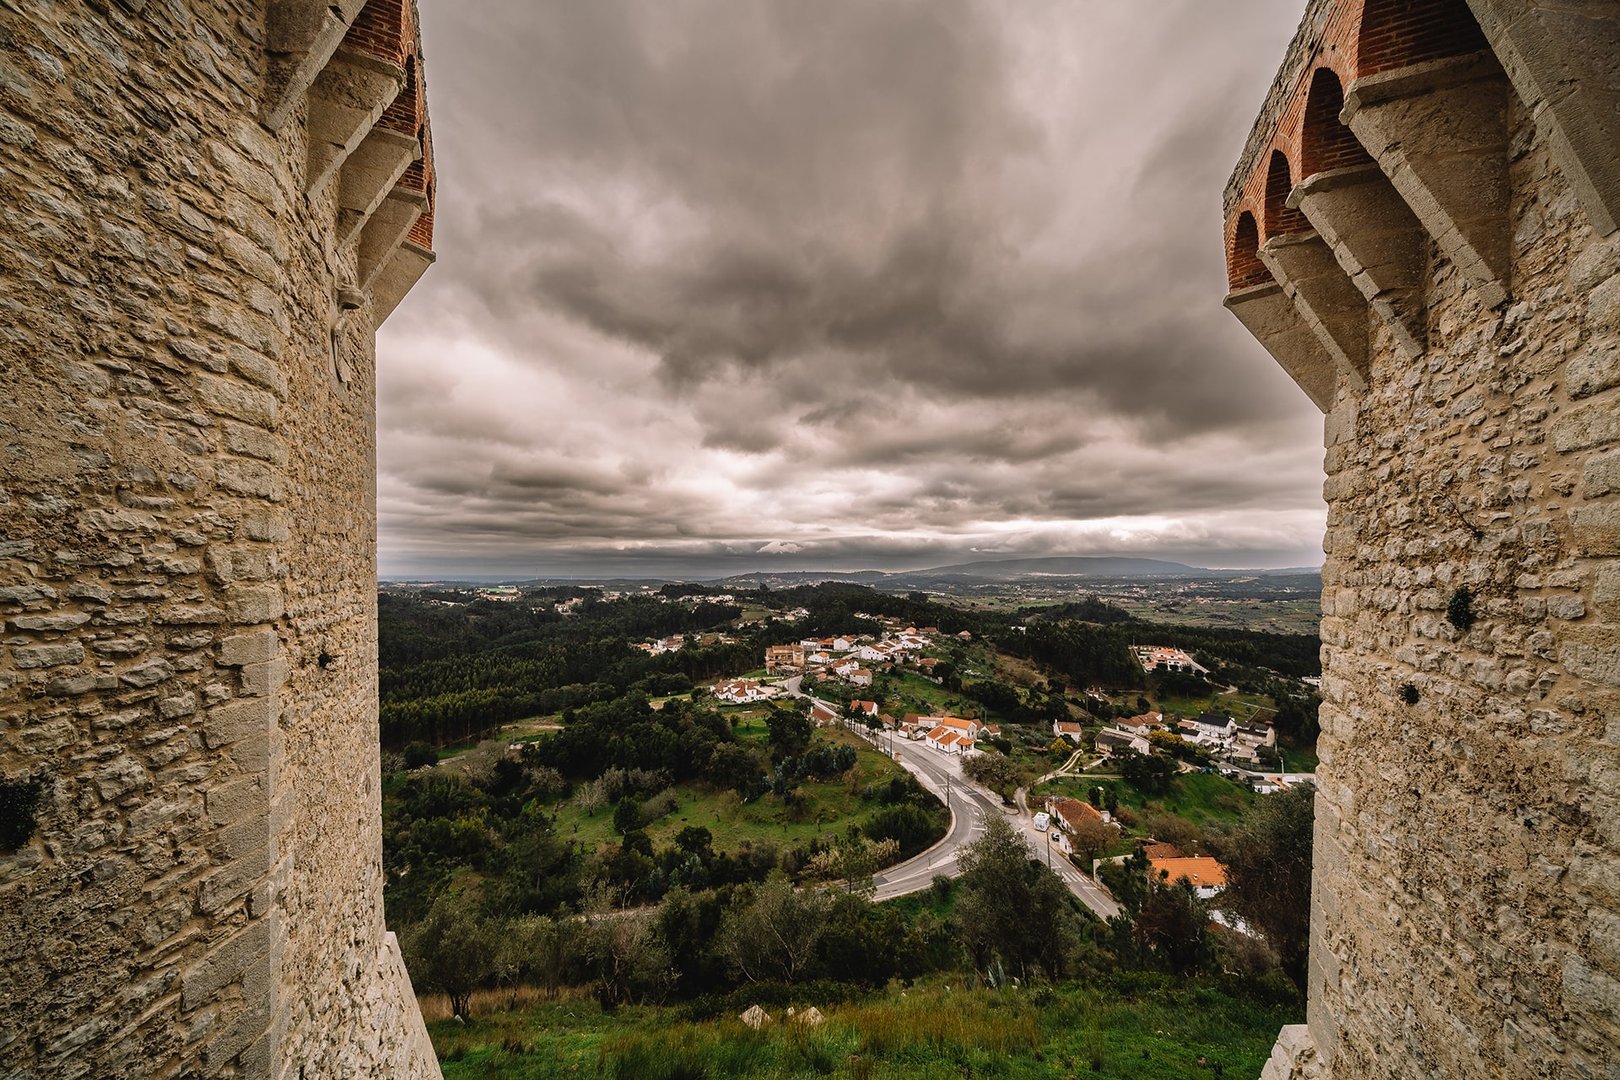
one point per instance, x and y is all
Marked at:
(1068, 729)
(1112, 739)
(949, 741)
(743, 691)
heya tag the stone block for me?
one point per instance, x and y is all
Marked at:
(236, 399)
(1598, 368)
(237, 800)
(1583, 428)
(1592, 652)
(1595, 530)
(251, 754)
(263, 680)
(249, 604)
(66, 620)
(245, 956)
(29, 657)
(238, 720)
(253, 647)
(252, 441)
(1603, 308)
(148, 674)
(1594, 265)
(229, 565)
(246, 476)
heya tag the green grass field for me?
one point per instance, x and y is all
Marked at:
(1202, 799)
(827, 807)
(1124, 1027)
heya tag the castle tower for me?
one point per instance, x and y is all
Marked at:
(1422, 232)
(206, 208)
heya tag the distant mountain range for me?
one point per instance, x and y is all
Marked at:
(999, 570)
(1100, 567)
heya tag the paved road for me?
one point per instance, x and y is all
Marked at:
(971, 806)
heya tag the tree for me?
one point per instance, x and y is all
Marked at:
(1268, 872)
(418, 754)
(627, 816)
(1171, 924)
(790, 733)
(1148, 773)
(774, 934)
(452, 951)
(627, 953)
(994, 771)
(1010, 908)
(1090, 837)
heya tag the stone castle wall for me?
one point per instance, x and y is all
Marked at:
(1449, 294)
(209, 204)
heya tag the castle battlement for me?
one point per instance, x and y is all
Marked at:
(209, 207)
(1422, 231)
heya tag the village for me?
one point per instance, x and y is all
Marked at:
(1086, 832)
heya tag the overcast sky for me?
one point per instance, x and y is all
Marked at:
(733, 284)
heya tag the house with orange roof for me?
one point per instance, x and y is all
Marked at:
(950, 741)
(1069, 729)
(1206, 876)
(865, 708)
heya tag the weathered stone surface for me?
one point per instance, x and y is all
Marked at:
(1466, 845)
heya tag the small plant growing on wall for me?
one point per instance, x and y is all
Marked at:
(1460, 609)
(1409, 694)
(19, 802)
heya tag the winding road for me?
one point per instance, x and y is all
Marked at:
(970, 806)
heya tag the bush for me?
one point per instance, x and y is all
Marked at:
(418, 754)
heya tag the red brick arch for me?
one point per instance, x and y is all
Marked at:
(1279, 218)
(1324, 142)
(1396, 33)
(1243, 266)
(1357, 38)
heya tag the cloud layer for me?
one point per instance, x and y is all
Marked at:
(724, 285)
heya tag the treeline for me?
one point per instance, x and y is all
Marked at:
(1007, 920)
(620, 758)
(453, 669)
(1296, 655)
(1086, 654)
(450, 672)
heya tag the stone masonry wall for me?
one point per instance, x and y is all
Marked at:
(1467, 845)
(187, 567)
(1466, 912)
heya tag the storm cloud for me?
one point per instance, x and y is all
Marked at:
(725, 285)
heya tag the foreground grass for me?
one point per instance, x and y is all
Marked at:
(1133, 1027)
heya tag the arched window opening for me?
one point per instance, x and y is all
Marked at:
(1243, 266)
(1279, 182)
(1325, 143)
(1396, 33)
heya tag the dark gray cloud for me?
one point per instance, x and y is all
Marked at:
(854, 280)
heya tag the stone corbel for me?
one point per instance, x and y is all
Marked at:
(301, 37)
(1328, 303)
(369, 174)
(1377, 241)
(1268, 313)
(1439, 131)
(1565, 65)
(387, 228)
(345, 101)
(402, 270)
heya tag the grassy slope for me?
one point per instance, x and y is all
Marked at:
(827, 808)
(1135, 1028)
(1202, 799)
